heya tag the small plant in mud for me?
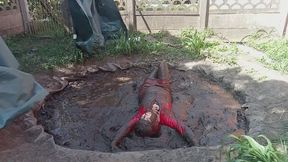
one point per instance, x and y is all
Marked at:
(275, 48)
(247, 149)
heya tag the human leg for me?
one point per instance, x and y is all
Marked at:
(153, 74)
(163, 72)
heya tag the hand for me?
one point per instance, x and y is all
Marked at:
(114, 147)
(156, 109)
(189, 136)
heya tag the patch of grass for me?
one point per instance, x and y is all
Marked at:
(195, 41)
(54, 48)
(40, 52)
(206, 44)
(136, 43)
(223, 53)
(191, 44)
(275, 48)
(161, 35)
(247, 149)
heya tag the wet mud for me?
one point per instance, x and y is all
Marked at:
(88, 113)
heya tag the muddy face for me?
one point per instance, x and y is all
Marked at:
(88, 114)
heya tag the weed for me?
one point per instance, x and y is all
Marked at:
(223, 53)
(276, 49)
(247, 149)
(201, 45)
(194, 41)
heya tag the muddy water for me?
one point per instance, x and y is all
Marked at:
(87, 114)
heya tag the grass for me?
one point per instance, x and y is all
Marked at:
(195, 41)
(38, 52)
(191, 44)
(275, 48)
(247, 149)
(45, 51)
(206, 44)
(135, 44)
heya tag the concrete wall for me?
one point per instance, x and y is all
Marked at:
(233, 19)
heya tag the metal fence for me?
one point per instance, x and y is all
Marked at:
(45, 16)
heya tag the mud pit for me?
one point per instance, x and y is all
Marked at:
(88, 113)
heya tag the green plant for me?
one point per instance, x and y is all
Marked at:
(277, 53)
(202, 44)
(221, 52)
(275, 49)
(194, 40)
(247, 149)
(134, 44)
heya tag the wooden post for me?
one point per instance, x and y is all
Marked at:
(130, 7)
(204, 13)
(23, 5)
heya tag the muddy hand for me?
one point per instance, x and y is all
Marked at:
(114, 147)
(190, 137)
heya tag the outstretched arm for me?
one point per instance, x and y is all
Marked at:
(126, 129)
(122, 133)
(189, 136)
(182, 129)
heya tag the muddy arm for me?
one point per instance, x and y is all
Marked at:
(125, 130)
(189, 136)
(122, 133)
(182, 129)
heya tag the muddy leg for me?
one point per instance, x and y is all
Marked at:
(163, 72)
(153, 74)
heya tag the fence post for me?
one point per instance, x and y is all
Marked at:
(25, 14)
(283, 17)
(130, 4)
(204, 13)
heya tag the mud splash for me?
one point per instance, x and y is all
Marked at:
(88, 113)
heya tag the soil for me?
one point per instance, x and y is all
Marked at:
(89, 112)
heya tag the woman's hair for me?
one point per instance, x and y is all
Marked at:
(145, 128)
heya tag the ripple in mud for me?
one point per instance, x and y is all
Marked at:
(88, 113)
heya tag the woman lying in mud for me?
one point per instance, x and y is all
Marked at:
(155, 109)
